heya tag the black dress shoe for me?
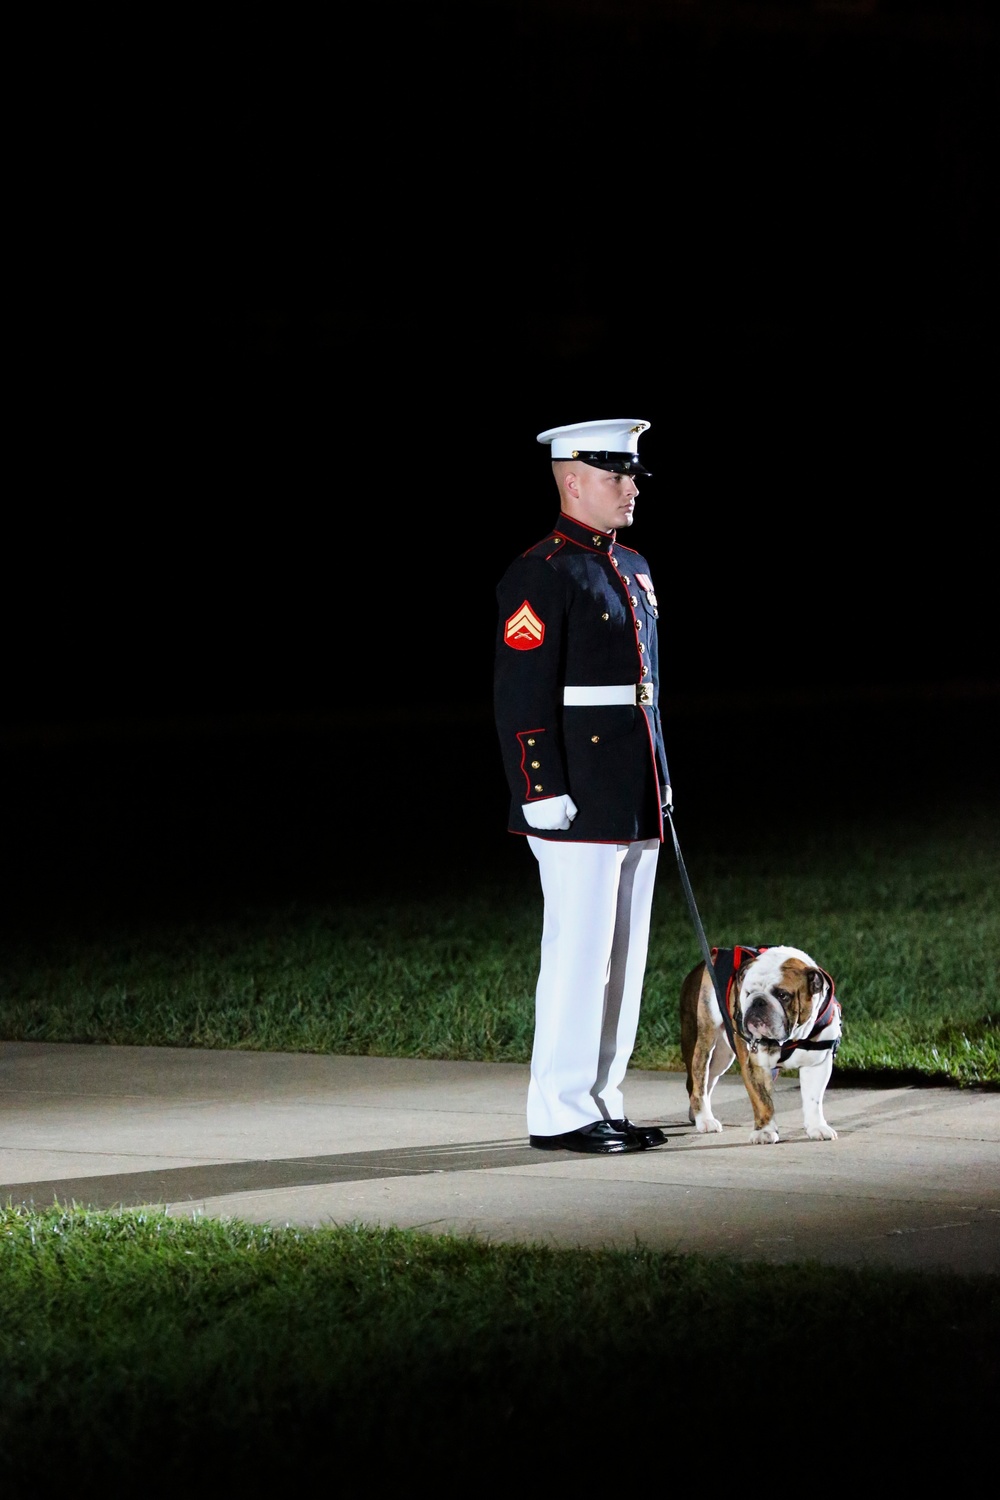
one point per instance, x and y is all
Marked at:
(605, 1138)
(651, 1134)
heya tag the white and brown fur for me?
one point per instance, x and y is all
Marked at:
(778, 996)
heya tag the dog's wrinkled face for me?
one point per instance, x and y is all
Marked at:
(779, 994)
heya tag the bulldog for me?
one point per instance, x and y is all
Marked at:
(781, 1013)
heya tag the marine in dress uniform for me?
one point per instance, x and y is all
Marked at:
(578, 717)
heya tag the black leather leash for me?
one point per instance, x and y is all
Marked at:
(706, 951)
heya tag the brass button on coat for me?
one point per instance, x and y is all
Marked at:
(605, 616)
(536, 765)
(538, 788)
(595, 739)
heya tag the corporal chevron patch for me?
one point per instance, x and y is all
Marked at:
(524, 630)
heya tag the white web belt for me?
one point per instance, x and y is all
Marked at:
(602, 697)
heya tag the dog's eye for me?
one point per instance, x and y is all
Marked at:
(781, 995)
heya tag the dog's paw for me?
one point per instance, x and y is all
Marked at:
(768, 1136)
(707, 1124)
(821, 1132)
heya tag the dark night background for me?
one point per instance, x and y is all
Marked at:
(329, 304)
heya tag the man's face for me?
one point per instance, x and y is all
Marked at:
(607, 501)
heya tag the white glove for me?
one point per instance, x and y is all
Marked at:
(667, 796)
(551, 812)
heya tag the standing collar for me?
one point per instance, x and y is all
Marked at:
(584, 536)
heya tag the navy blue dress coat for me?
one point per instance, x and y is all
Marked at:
(579, 608)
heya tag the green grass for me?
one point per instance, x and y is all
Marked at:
(136, 1348)
(141, 1350)
(905, 917)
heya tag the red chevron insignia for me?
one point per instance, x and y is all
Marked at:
(524, 630)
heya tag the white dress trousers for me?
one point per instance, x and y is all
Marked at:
(595, 934)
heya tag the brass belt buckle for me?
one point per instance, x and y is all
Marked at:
(642, 693)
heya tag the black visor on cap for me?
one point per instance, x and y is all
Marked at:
(615, 463)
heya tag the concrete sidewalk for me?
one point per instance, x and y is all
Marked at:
(913, 1180)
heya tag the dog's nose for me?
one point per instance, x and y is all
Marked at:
(764, 1017)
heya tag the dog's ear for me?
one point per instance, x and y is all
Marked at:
(817, 981)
